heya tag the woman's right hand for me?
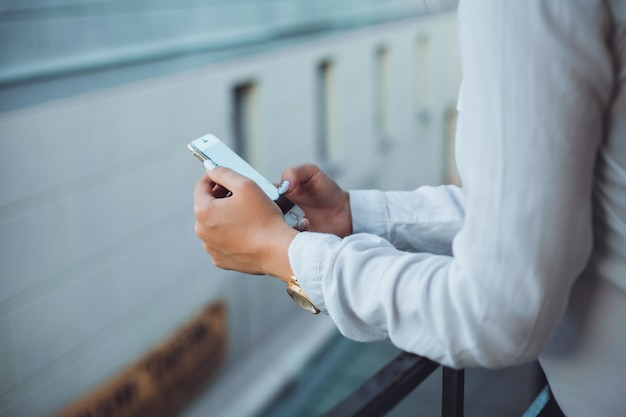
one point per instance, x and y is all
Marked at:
(325, 204)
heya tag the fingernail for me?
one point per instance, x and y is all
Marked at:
(209, 165)
(283, 187)
(301, 224)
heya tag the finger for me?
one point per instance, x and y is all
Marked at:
(227, 178)
(283, 187)
(299, 175)
(202, 197)
(302, 225)
(202, 194)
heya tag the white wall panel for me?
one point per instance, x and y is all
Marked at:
(45, 329)
(82, 225)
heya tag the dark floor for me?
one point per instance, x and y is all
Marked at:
(345, 364)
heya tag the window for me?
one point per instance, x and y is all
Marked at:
(423, 79)
(451, 175)
(326, 112)
(244, 123)
(381, 85)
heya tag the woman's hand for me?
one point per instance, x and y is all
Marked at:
(325, 204)
(245, 231)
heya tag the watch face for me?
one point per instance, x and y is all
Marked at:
(302, 300)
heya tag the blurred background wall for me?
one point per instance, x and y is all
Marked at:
(98, 99)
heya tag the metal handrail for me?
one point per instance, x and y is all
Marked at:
(392, 383)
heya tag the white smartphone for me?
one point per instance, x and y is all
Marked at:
(213, 153)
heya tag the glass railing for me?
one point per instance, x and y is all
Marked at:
(350, 379)
(391, 384)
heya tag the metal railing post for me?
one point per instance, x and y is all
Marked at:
(452, 392)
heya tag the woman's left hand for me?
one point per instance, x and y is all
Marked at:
(245, 231)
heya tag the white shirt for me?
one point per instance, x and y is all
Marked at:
(528, 259)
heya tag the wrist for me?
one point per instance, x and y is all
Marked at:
(278, 254)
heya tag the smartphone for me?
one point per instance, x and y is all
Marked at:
(211, 149)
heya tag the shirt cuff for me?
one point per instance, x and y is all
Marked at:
(306, 256)
(369, 212)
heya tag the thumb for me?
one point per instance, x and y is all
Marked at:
(299, 175)
(226, 178)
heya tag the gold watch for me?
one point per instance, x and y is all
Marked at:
(295, 291)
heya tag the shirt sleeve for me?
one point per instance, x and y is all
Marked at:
(537, 78)
(424, 220)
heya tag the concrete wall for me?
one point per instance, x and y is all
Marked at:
(98, 260)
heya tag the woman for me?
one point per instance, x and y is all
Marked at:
(527, 260)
